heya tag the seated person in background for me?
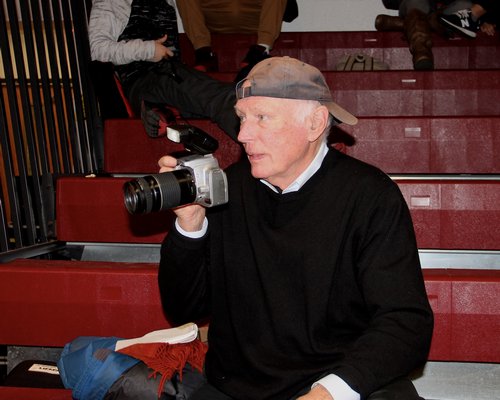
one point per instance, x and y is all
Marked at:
(467, 20)
(200, 18)
(310, 274)
(418, 19)
(139, 38)
(413, 21)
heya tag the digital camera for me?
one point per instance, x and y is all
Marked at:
(196, 179)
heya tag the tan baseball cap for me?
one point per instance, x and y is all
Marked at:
(289, 78)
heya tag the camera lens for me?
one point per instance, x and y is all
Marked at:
(159, 192)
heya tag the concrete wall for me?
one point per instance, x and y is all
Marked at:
(334, 15)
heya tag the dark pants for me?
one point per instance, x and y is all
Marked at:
(400, 389)
(192, 93)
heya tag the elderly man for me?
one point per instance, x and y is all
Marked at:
(310, 273)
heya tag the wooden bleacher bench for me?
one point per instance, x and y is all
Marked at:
(121, 299)
(399, 145)
(428, 145)
(92, 210)
(467, 323)
(417, 93)
(140, 153)
(448, 213)
(325, 49)
(410, 93)
(49, 303)
(453, 212)
(27, 393)
(430, 119)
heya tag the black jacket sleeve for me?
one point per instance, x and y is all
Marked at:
(399, 318)
(183, 277)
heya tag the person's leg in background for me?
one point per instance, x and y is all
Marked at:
(192, 93)
(268, 30)
(463, 16)
(270, 21)
(196, 29)
(267, 20)
(414, 21)
(418, 32)
(203, 17)
(245, 16)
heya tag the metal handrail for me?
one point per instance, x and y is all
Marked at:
(48, 113)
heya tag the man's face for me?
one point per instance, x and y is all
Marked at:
(275, 135)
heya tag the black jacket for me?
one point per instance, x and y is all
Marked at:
(301, 285)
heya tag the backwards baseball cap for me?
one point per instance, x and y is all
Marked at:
(289, 78)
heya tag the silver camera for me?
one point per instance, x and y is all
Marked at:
(196, 179)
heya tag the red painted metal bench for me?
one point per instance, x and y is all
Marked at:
(456, 214)
(397, 145)
(93, 210)
(48, 303)
(140, 153)
(325, 49)
(467, 322)
(28, 393)
(428, 145)
(413, 93)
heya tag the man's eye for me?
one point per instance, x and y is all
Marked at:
(261, 117)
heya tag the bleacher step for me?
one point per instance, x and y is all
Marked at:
(326, 49)
(436, 93)
(29, 393)
(397, 145)
(60, 300)
(49, 303)
(139, 153)
(448, 213)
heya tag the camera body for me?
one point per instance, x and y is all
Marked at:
(197, 179)
(209, 180)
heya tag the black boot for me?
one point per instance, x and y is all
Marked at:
(205, 60)
(255, 54)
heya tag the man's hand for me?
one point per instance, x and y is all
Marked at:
(161, 51)
(189, 217)
(488, 28)
(318, 392)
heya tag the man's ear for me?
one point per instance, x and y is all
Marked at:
(319, 122)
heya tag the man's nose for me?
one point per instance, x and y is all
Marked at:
(245, 133)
